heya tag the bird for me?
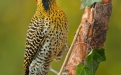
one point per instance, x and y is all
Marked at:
(46, 38)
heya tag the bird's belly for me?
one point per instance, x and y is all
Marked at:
(52, 46)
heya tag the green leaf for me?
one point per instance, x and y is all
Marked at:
(82, 70)
(92, 61)
(94, 58)
(88, 2)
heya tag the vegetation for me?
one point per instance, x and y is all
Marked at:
(15, 16)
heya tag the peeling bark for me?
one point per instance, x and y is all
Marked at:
(92, 34)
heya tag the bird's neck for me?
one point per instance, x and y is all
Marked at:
(46, 4)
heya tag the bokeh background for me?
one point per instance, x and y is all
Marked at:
(15, 16)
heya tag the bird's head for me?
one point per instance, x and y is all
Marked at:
(45, 3)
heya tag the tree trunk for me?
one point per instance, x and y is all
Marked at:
(91, 34)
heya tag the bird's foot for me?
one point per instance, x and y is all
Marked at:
(54, 71)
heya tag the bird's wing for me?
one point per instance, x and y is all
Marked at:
(36, 36)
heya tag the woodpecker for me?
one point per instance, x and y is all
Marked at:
(46, 37)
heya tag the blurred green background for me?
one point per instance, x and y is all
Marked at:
(15, 16)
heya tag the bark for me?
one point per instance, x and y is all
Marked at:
(92, 34)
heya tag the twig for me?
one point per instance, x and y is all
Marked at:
(70, 49)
